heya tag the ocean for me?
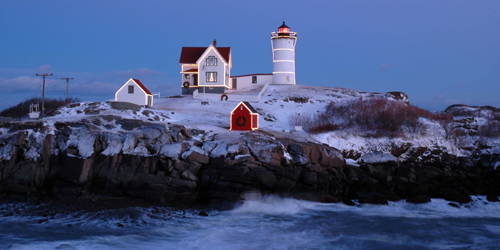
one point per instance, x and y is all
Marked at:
(268, 223)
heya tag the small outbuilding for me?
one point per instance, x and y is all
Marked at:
(244, 117)
(135, 92)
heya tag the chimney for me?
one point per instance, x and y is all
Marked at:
(215, 43)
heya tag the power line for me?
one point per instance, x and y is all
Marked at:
(18, 102)
(43, 91)
(67, 87)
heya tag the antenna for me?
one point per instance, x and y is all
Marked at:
(67, 87)
(43, 91)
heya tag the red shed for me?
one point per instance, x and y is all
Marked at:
(244, 117)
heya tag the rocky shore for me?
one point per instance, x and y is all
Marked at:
(171, 165)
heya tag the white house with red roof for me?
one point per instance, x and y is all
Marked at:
(135, 92)
(206, 69)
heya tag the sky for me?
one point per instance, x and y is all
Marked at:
(438, 52)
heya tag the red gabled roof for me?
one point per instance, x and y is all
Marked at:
(142, 86)
(192, 54)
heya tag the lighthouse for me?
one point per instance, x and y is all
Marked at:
(283, 44)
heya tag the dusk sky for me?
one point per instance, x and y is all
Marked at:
(438, 52)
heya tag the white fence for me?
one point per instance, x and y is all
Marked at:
(232, 98)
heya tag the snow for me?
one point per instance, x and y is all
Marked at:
(278, 104)
(192, 149)
(377, 157)
(172, 150)
(351, 162)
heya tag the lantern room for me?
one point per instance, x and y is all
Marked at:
(283, 29)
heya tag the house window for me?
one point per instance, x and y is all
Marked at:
(254, 79)
(211, 61)
(287, 78)
(211, 76)
(186, 76)
(131, 89)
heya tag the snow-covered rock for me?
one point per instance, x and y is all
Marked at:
(173, 150)
(377, 157)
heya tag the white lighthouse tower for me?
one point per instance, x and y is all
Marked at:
(283, 43)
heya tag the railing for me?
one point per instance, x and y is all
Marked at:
(262, 91)
(290, 34)
(233, 98)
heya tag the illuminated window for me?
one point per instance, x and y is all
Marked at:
(287, 78)
(131, 89)
(254, 79)
(186, 76)
(284, 30)
(211, 76)
(211, 61)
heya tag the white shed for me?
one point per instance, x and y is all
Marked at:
(135, 92)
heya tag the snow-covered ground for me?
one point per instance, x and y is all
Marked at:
(278, 103)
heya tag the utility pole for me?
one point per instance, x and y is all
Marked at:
(67, 87)
(43, 91)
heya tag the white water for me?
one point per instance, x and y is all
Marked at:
(269, 223)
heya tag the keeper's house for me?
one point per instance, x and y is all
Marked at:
(135, 92)
(244, 117)
(206, 69)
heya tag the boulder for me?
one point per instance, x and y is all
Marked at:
(372, 198)
(492, 198)
(265, 177)
(173, 150)
(297, 153)
(76, 170)
(66, 190)
(187, 175)
(309, 178)
(195, 156)
(331, 157)
(419, 199)
(179, 133)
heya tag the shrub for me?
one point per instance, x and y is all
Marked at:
(22, 109)
(386, 117)
(490, 129)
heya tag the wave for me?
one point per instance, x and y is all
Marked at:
(437, 208)
(268, 222)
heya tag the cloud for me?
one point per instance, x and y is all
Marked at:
(20, 83)
(388, 65)
(135, 73)
(44, 69)
(94, 88)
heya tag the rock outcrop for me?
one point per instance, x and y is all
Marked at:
(173, 165)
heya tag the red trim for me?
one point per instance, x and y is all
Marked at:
(142, 86)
